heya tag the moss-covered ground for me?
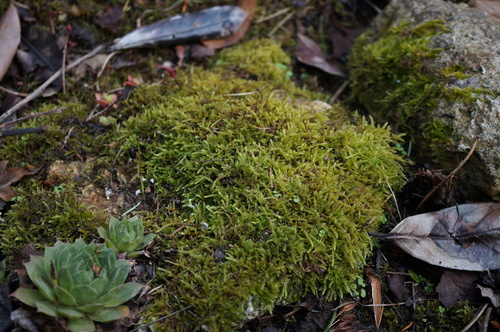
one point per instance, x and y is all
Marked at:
(257, 198)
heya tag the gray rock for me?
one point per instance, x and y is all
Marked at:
(473, 43)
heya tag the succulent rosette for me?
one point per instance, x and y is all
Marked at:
(126, 235)
(81, 282)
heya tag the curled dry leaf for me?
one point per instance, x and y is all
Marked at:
(465, 237)
(489, 293)
(8, 177)
(378, 308)
(309, 53)
(10, 37)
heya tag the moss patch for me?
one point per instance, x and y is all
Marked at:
(391, 78)
(268, 200)
(42, 217)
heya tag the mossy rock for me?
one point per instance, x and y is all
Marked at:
(264, 200)
(429, 68)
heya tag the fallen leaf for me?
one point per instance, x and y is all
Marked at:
(489, 293)
(248, 6)
(397, 287)
(378, 308)
(309, 53)
(457, 286)
(208, 24)
(465, 237)
(8, 177)
(108, 18)
(10, 37)
(489, 6)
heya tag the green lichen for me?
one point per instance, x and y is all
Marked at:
(269, 200)
(392, 79)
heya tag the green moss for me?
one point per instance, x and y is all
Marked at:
(42, 217)
(272, 200)
(391, 78)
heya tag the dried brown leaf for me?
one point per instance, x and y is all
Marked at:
(489, 293)
(397, 287)
(309, 53)
(10, 37)
(8, 177)
(378, 308)
(465, 237)
(457, 286)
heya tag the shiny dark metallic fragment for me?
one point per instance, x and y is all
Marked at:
(213, 23)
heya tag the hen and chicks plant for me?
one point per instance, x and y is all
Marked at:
(81, 282)
(126, 236)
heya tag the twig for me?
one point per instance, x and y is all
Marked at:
(103, 67)
(449, 176)
(269, 17)
(55, 76)
(338, 93)
(22, 131)
(65, 56)
(12, 92)
(283, 21)
(32, 116)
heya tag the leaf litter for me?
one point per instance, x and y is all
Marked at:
(462, 238)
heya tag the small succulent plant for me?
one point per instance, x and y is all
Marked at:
(81, 282)
(126, 235)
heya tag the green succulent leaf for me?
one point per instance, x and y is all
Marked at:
(100, 284)
(127, 246)
(84, 293)
(103, 232)
(64, 296)
(119, 274)
(83, 324)
(45, 288)
(47, 308)
(29, 296)
(120, 294)
(91, 308)
(70, 312)
(147, 239)
(106, 315)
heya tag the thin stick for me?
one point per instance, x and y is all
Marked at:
(448, 177)
(12, 92)
(63, 67)
(283, 21)
(278, 13)
(338, 93)
(32, 116)
(41, 88)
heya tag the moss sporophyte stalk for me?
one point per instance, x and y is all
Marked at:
(263, 199)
